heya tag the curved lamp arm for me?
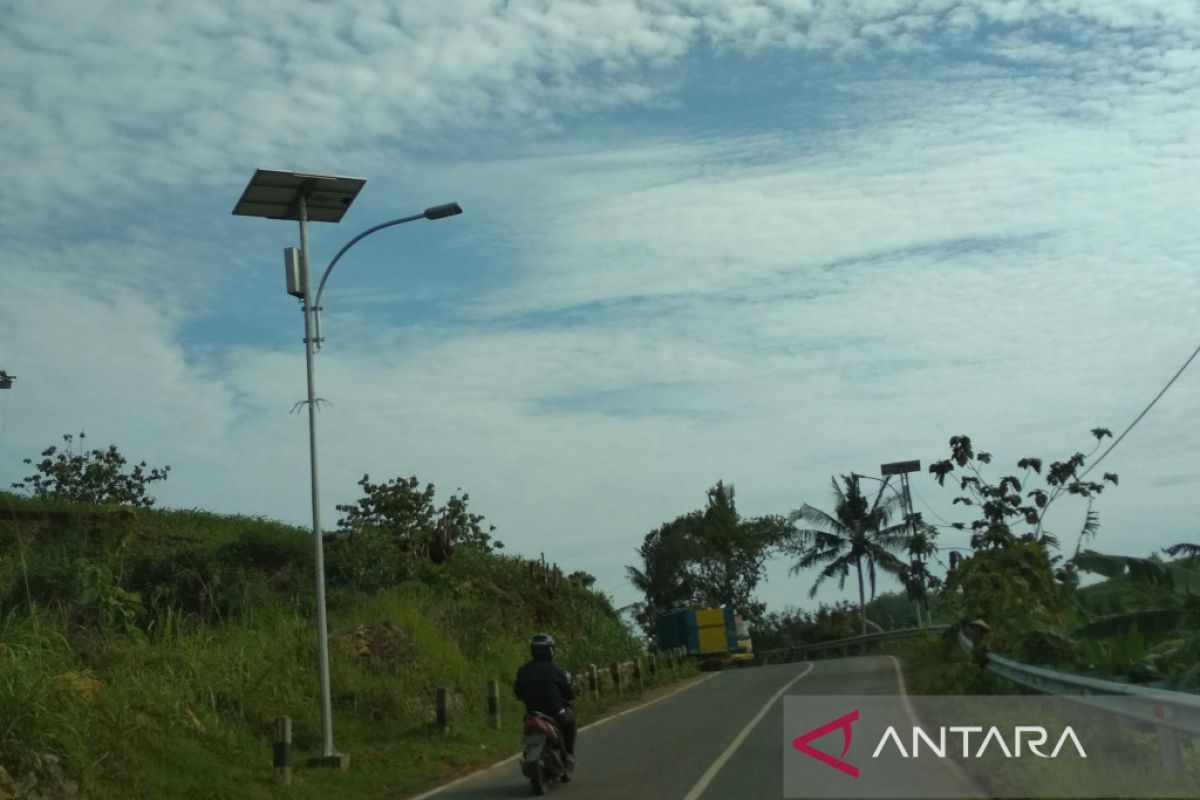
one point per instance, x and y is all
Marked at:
(435, 212)
(884, 481)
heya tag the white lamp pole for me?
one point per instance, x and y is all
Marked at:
(322, 198)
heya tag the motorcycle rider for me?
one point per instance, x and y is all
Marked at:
(543, 686)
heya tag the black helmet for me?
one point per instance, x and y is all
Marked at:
(541, 647)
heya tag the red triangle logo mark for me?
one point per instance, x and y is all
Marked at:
(843, 723)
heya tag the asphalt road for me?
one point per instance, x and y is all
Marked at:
(722, 739)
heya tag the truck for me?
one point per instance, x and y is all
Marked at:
(718, 637)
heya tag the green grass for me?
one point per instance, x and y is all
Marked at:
(937, 665)
(181, 701)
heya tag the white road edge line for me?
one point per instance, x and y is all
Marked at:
(951, 764)
(715, 767)
(439, 789)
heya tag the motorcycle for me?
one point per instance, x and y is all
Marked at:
(543, 759)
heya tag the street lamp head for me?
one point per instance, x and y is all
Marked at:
(443, 211)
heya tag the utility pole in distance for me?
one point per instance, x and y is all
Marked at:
(902, 468)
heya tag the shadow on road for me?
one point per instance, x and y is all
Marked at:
(518, 788)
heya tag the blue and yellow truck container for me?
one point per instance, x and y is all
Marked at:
(717, 636)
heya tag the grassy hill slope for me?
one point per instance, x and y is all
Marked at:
(147, 653)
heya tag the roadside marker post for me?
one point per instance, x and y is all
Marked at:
(282, 750)
(443, 715)
(493, 702)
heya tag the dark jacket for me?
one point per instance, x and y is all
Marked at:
(543, 686)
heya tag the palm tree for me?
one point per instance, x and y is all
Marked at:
(920, 545)
(856, 533)
(1183, 549)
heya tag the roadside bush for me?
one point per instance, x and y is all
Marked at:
(938, 665)
(366, 561)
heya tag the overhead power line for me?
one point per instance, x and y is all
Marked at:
(1145, 410)
(925, 503)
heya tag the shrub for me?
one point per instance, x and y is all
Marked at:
(97, 476)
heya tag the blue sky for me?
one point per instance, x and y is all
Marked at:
(761, 241)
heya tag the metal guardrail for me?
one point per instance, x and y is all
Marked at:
(803, 651)
(1168, 712)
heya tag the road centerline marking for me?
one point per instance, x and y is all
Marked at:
(715, 767)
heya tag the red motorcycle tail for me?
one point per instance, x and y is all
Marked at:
(535, 723)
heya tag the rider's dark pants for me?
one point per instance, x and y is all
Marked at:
(566, 721)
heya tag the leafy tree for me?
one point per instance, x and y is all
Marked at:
(711, 557)
(665, 577)
(98, 476)
(408, 515)
(892, 610)
(1138, 624)
(1002, 505)
(794, 627)
(1013, 589)
(855, 535)
(1013, 579)
(582, 579)
(732, 552)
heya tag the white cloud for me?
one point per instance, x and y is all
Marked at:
(991, 236)
(140, 97)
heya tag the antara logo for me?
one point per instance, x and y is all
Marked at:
(843, 722)
(1033, 737)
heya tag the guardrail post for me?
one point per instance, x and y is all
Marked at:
(593, 682)
(1171, 750)
(283, 750)
(615, 671)
(443, 715)
(493, 702)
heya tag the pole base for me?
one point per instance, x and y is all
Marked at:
(336, 761)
